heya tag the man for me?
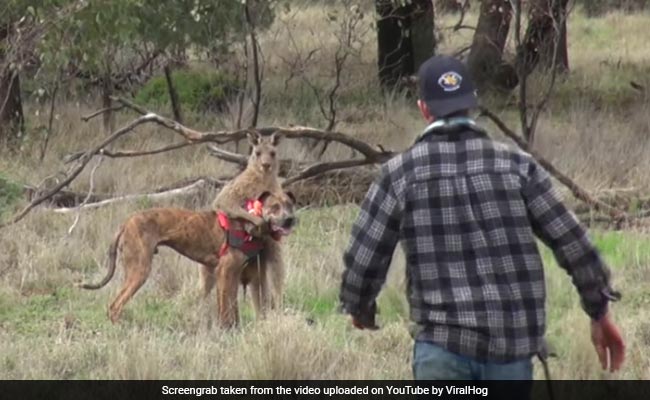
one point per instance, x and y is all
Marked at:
(466, 210)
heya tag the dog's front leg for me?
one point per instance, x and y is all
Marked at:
(229, 272)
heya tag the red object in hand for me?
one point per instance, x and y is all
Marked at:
(608, 341)
(254, 207)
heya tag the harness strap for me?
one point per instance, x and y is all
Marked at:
(240, 239)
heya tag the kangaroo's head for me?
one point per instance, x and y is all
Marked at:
(263, 157)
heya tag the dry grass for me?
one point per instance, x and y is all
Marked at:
(49, 329)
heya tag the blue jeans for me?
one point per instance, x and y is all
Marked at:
(432, 362)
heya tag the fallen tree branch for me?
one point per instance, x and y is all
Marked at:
(323, 167)
(83, 161)
(291, 132)
(580, 193)
(97, 113)
(286, 166)
(90, 193)
(198, 185)
(130, 153)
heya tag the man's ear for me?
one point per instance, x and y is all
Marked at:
(291, 196)
(424, 110)
(253, 138)
(275, 138)
(264, 196)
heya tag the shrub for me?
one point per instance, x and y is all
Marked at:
(10, 194)
(197, 90)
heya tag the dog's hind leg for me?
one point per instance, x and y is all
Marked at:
(137, 266)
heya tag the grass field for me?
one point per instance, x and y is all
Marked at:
(596, 130)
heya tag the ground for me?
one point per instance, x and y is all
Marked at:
(595, 129)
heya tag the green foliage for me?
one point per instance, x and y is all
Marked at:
(10, 194)
(197, 90)
(92, 34)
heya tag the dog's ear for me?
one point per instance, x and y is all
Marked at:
(264, 196)
(291, 196)
(253, 138)
(275, 138)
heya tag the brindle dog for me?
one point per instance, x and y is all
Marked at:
(198, 236)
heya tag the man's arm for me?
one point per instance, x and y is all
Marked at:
(560, 230)
(368, 256)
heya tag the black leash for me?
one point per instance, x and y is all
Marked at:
(543, 355)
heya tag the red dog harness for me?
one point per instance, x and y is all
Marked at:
(240, 239)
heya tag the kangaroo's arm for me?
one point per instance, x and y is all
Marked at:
(228, 201)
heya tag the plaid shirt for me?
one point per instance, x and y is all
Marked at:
(466, 210)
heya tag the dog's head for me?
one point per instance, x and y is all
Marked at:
(278, 211)
(263, 152)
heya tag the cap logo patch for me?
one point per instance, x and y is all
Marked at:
(450, 81)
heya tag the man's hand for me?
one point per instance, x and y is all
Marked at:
(365, 319)
(607, 340)
(359, 323)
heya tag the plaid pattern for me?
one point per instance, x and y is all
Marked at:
(466, 210)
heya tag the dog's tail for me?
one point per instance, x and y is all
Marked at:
(111, 262)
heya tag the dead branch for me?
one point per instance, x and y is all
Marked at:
(90, 193)
(83, 161)
(321, 168)
(131, 153)
(97, 113)
(576, 190)
(292, 132)
(186, 190)
(371, 155)
(228, 156)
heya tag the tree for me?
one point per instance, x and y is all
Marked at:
(485, 60)
(405, 38)
(12, 120)
(545, 41)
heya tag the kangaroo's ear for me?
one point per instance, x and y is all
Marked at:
(291, 196)
(264, 196)
(253, 138)
(275, 138)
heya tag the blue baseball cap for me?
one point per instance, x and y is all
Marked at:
(445, 86)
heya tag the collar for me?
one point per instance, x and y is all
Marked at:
(452, 129)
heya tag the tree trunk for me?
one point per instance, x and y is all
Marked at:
(485, 60)
(423, 41)
(173, 95)
(12, 119)
(405, 38)
(545, 40)
(107, 92)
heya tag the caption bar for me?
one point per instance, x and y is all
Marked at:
(305, 390)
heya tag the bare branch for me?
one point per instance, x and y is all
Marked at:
(90, 193)
(185, 190)
(228, 156)
(83, 161)
(97, 113)
(293, 132)
(323, 167)
(578, 192)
